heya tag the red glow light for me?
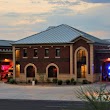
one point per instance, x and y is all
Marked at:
(108, 59)
(5, 67)
(55, 69)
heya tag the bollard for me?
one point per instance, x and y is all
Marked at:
(33, 83)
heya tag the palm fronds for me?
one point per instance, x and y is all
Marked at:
(96, 97)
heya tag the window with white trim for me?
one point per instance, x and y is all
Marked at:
(57, 52)
(25, 52)
(35, 52)
(46, 52)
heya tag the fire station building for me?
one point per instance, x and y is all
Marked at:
(61, 52)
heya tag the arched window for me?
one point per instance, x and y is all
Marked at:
(30, 71)
(52, 72)
(81, 63)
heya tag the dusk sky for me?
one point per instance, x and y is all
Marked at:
(22, 18)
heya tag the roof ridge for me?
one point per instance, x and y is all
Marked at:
(60, 33)
(72, 28)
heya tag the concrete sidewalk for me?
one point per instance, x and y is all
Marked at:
(39, 92)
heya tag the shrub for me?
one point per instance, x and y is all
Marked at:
(36, 81)
(12, 81)
(95, 97)
(60, 82)
(21, 82)
(9, 79)
(55, 80)
(85, 81)
(48, 80)
(41, 77)
(29, 81)
(72, 80)
(67, 81)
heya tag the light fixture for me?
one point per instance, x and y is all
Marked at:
(108, 59)
(108, 67)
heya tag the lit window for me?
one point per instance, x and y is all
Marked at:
(57, 52)
(46, 52)
(17, 55)
(24, 52)
(35, 52)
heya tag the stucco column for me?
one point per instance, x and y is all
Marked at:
(14, 64)
(92, 62)
(71, 60)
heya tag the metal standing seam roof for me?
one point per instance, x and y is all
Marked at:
(57, 34)
(106, 40)
(6, 42)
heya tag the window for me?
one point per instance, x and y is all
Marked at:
(46, 52)
(57, 52)
(81, 64)
(17, 54)
(24, 52)
(35, 52)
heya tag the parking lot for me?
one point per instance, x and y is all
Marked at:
(40, 92)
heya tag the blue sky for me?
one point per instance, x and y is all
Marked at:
(22, 18)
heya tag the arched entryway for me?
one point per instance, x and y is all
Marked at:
(81, 62)
(30, 70)
(52, 71)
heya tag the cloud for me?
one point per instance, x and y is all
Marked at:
(34, 1)
(27, 22)
(83, 7)
(25, 6)
(64, 2)
(12, 14)
(14, 35)
(100, 33)
(21, 18)
(2, 1)
(62, 11)
(97, 1)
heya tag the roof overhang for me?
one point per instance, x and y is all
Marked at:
(81, 38)
(42, 44)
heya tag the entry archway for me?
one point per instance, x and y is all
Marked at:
(81, 62)
(30, 70)
(52, 71)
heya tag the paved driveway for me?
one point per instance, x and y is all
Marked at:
(38, 92)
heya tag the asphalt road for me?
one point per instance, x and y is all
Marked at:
(6, 104)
